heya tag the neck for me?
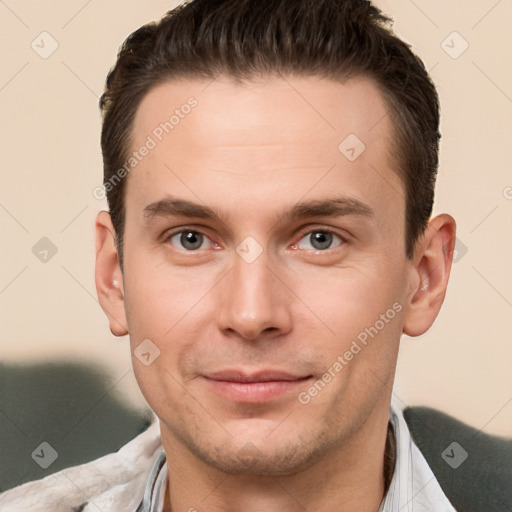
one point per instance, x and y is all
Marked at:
(350, 477)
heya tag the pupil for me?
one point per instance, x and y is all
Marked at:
(191, 240)
(321, 240)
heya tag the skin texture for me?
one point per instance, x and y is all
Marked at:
(251, 151)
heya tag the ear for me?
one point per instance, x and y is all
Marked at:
(109, 278)
(431, 265)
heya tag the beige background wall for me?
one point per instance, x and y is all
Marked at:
(51, 162)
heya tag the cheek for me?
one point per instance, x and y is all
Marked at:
(350, 299)
(158, 296)
(169, 306)
(363, 309)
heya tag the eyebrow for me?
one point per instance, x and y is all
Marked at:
(332, 207)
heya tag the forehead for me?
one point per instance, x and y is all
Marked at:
(215, 140)
(257, 110)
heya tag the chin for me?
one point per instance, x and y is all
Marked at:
(282, 456)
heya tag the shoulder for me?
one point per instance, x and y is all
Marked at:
(112, 482)
(473, 468)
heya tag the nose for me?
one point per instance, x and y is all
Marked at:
(254, 301)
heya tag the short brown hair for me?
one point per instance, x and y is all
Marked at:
(247, 38)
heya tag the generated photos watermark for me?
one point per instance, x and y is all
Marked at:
(152, 140)
(356, 347)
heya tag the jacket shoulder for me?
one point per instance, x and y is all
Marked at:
(473, 468)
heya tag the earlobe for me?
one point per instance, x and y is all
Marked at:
(429, 275)
(108, 275)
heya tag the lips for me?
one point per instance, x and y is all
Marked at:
(256, 376)
(256, 386)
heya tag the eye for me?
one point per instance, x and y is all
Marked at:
(189, 240)
(319, 240)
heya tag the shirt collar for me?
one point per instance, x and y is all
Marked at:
(413, 487)
(154, 494)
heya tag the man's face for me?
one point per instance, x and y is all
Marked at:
(253, 304)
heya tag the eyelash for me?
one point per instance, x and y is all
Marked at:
(301, 235)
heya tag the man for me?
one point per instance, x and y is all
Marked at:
(270, 171)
